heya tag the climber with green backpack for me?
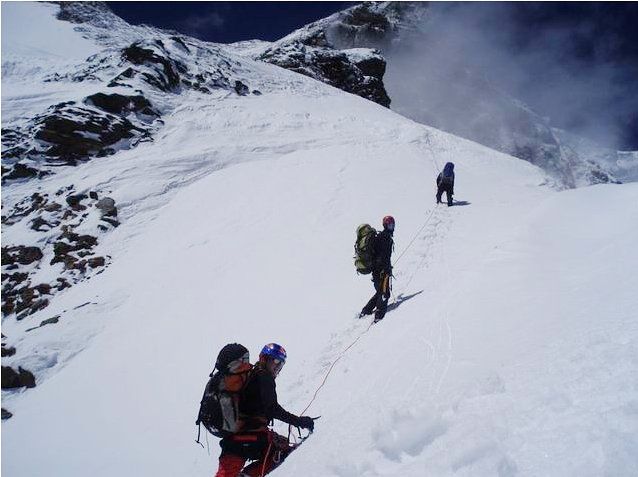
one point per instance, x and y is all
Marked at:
(373, 253)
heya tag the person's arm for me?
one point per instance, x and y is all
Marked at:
(274, 410)
(387, 255)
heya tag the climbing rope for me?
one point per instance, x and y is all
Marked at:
(415, 237)
(341, 355)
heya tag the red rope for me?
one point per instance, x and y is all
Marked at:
(263, 467)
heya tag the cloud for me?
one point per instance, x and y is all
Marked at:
(201, 24)
(573, 64)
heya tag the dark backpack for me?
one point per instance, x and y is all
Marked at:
(219, 407)
(447, 176)
(364, 249)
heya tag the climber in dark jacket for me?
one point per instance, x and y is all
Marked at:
(257, 407)
(445, 183)
(381, 271)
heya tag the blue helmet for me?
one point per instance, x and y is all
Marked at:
(275, 351)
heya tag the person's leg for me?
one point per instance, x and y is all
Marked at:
(448, 192)
(383, 297)
(369, 308)
(230, 465)
(275, 454)
(372, 303)
(382, 308)
(439, 193)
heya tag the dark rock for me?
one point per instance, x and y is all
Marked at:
(74, 200)
(52, 207)
(334, 67)
(372, 66)
(43, 288)
(63, 283)
(6, 414)
(241, 89)
(24, 302)
(181, 43)
(17, 379)
(40, 225)
(85, 241)
(121, 105)
(86, 12)
(8, 351)
(93, 195)
(106, 205)
(48, 321)
(8, 305)
(165, 78)
(20, 254)
(111, 221)
(20, 171)
(96, 262)
(15, 278)
(68, 214)
(75, 134)
(69, 262)
(39, 305)
(60, 249)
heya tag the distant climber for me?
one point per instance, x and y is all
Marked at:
(257, 406)
(381, 268)
(445, 183)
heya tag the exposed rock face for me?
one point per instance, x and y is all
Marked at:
(331, 51)
(73, 251)
(71, 134)
(20, 254)
(121, 116)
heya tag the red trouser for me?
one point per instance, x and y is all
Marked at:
(230, 464)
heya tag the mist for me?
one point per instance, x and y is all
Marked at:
(575, 65)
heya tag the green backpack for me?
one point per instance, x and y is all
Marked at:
(363, 249)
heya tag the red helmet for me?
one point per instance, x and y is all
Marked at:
(388, 222)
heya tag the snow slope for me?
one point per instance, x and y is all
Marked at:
(511, 348)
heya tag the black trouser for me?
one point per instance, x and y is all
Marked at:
(449, 191)
(380, 299)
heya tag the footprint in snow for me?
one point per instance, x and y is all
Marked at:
(409, 433)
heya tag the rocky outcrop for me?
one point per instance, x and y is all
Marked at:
(71, 253)
(17, 379)
(359, 72)
(8, 351)
(119, 117)
(333, 51)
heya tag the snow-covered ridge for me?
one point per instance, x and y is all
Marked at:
(509, 348)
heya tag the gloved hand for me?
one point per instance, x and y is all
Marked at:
(306, 422)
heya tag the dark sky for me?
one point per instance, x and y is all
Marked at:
(227, 22)
(587, 52)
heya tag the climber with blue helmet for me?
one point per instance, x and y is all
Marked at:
(258, 406)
